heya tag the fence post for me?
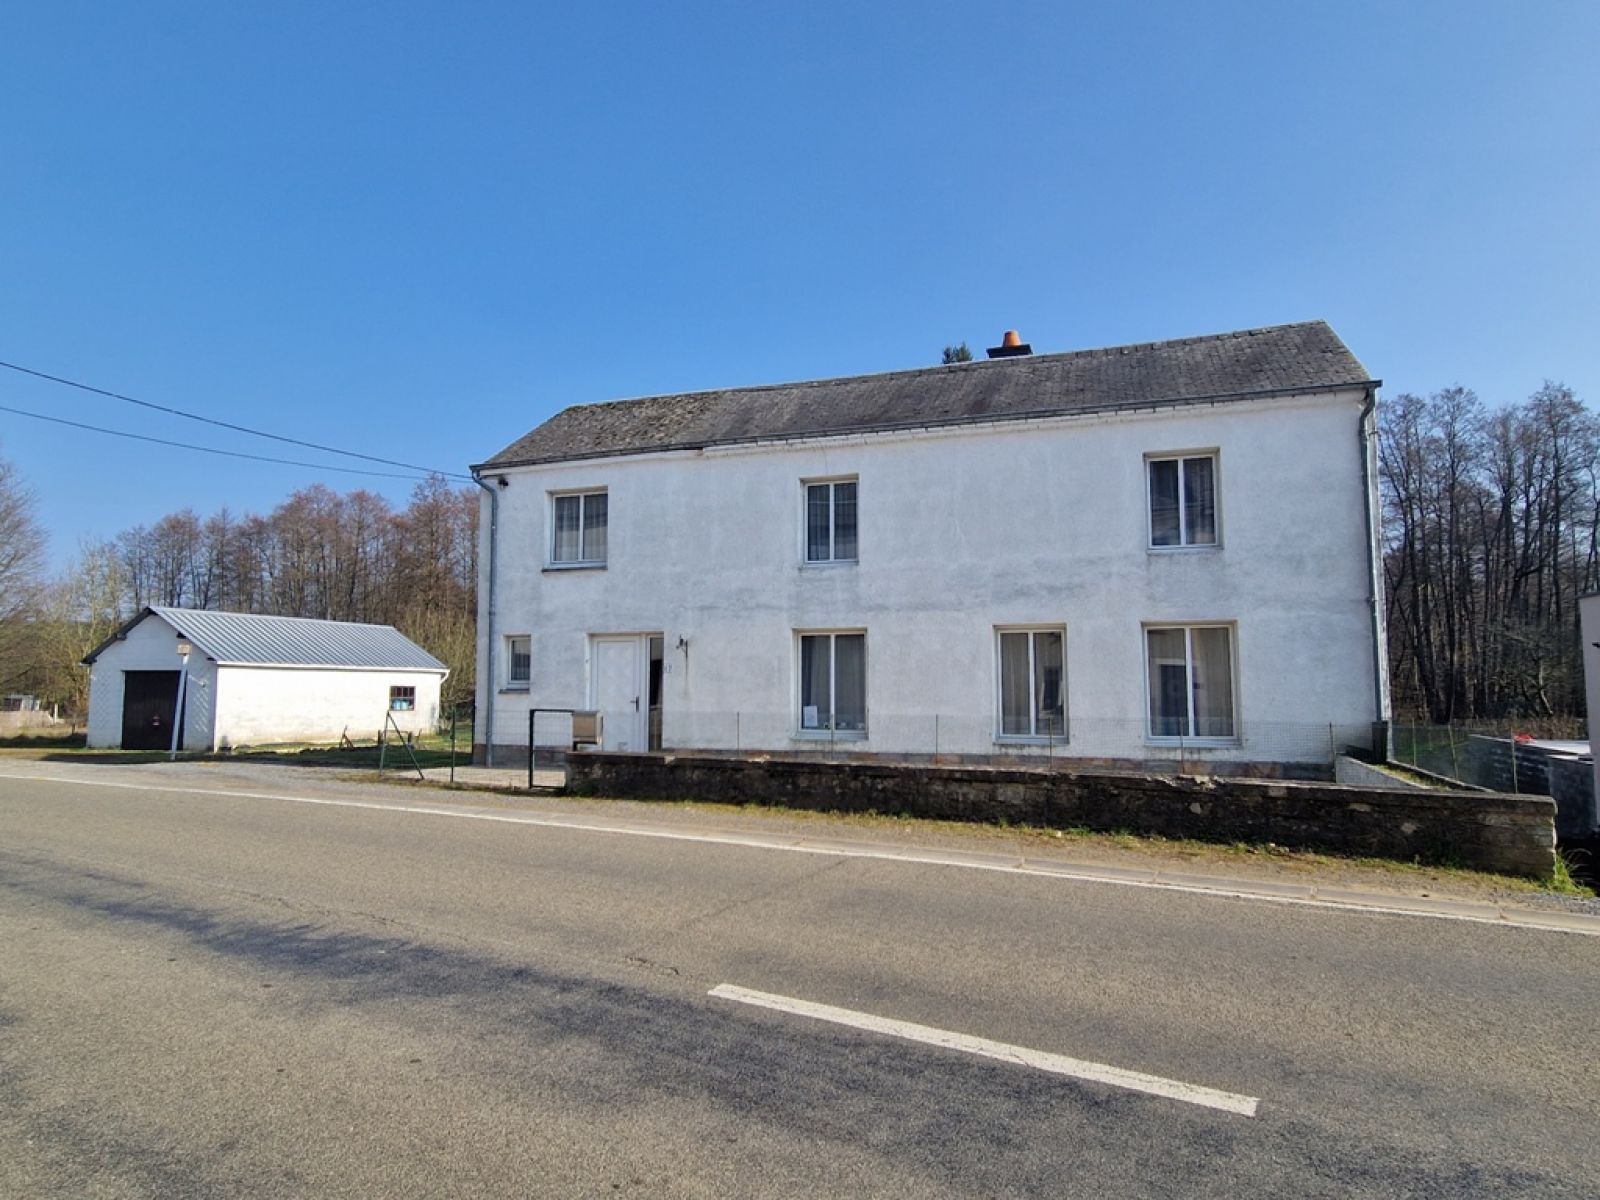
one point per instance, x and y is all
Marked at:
(936, 736)
(738, 735)
(1516, 790)
(533, 714)
(455, 716)
(1333, 746)
(1455, 763)
(1414, 743)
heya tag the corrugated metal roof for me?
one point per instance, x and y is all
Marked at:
(238, 639)
(1228, 366)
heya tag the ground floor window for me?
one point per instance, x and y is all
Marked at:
(1032, 683)
(1191, 681)
(519, 661)
(833, 682)
(402, 699)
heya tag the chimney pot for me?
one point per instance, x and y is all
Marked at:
(1011, 346)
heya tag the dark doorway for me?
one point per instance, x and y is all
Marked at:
(149, 705)
(657, 653)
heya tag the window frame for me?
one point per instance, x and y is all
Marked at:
(1033, 738)
(583, 561)
(512, 683)
(830, 482)
(1231, 628)
(402, 697)
(828, 732)
(1183, 545)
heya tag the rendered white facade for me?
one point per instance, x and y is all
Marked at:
(228, 706)
(963, 531)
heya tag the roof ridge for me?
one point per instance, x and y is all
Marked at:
(1012, 361)
(228, 612)
(1236, 364)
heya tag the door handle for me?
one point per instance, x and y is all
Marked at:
(636, 704)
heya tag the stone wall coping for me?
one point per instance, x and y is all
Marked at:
(1482, 801)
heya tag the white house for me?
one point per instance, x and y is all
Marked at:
(245, 679)
(1122, 555)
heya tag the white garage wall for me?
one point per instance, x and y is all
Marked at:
(150, 646)
(264, 705)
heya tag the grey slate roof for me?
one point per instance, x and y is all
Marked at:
(1283, 359)
(250, 639)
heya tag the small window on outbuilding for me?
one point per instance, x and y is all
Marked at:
(402, 699)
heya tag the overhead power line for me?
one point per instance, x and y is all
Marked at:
(139, 437)
(189, 416)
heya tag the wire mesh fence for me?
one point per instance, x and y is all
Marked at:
(1503, 756)
(1264, 747)
(440, 749)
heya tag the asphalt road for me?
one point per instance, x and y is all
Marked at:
(209, 995)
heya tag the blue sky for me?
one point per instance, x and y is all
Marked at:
(418, 229)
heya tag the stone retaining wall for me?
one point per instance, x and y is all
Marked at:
(1483, 830)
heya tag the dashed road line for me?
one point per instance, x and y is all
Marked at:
(1023, 1056)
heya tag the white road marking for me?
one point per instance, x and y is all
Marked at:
(1039, 1060)
(796, 844)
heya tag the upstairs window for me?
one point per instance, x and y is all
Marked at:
(519, 661)
(1032, 683)
(831, 521)
(1183, 501)
(833, 683)
(580, 529)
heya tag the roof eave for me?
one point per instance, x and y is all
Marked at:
(440, 670)
(1365, 385)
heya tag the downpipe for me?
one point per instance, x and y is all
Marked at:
(486, 684)
(1366, 438)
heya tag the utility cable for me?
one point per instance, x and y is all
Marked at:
(178, 412)
(139, 437)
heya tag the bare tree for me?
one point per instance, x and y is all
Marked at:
(83, 609)
(1492, 534)
(22, 544)
(348, 557)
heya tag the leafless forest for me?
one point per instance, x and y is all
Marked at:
(1492, 532)
(350, 557)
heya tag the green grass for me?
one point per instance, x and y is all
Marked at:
(358, 758)
(1563, 883)
(431, 750)
(51, 741)
(1177, 852)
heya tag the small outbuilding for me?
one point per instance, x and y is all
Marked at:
(235, 679)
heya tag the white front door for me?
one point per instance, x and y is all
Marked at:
(617, 691)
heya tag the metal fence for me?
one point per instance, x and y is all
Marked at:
(1082, 741)
(1502, 756)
